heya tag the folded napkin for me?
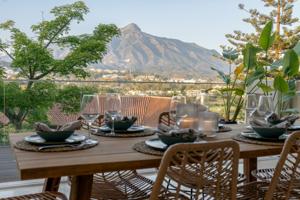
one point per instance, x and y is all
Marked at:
(271, 120)
(71, 126)
(183, 133)
(119, 118)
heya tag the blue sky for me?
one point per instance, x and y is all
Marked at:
(204, 22)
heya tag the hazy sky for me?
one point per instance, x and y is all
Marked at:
(204, 22)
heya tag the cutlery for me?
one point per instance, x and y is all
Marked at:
(61, 146)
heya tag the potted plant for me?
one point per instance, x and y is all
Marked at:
(258, 71)
(235, 83)
(273, 77)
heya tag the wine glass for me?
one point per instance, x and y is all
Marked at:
(89, 109)
(203, 99)
(112, 108)
(251, 105)
(175, 102)
(265, 104)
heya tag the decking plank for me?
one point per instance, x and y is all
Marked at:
(8, 166)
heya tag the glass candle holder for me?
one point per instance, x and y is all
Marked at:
(189, 122)
(209, 123)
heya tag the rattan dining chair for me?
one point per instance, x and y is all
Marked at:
(126, 184)
(39, 196)
(164, 118)
(284, 183)
(209, 169)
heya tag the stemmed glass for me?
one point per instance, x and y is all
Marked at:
(112, 108)
(203, 99)
(251, 105)
(89, 109)
(175, 102)
(265, 104)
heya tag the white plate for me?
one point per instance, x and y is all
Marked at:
(132, 129)
(157, 144)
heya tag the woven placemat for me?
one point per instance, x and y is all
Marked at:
(146, 132)
(143, 148)
(23, 145)
(241, 138)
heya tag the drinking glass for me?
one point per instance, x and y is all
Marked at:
(112, 108)
(203, 99)
(251, 105)
(175, 101)
(89, 109)
(209, 123)
(265, 104)
(187, 115)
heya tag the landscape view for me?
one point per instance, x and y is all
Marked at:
(149, 99)
(51, 60)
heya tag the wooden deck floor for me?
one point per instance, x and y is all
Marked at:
(8, 167)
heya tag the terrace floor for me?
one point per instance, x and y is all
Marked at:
(8, 168)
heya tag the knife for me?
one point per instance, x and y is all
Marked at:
(61, 145)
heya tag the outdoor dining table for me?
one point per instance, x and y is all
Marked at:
(110, 154)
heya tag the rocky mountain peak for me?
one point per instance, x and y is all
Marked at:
(132, 27)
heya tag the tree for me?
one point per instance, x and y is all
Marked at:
(287, 28)
(33, 58)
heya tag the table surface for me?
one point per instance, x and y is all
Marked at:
(110, 154)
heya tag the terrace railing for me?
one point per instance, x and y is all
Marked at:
(26, 101)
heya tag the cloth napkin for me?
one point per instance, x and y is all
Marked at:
(171, 131)
(71, 126)
(107, 117)
(271, 120)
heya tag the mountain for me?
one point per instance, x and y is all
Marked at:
(141, 52)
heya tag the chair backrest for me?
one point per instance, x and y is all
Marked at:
(210, 170)
(287, 172)
(135, 106)
(156, 106)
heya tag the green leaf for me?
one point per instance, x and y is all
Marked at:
(290, 63)
(265, 88)
(249, 53)
(297, 48)
(292, 85)
(230, 54)
(256, 75)
(280, 84)
(266, 38)
(224, 77)
(290, 111)
(237, 91)
(291, 92)
(288, 96)
(276, 64)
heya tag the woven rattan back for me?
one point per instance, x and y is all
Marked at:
(209, 170)
(135, 106)
(285, 182)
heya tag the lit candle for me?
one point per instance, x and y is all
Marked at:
(209, 127)
(188, 122)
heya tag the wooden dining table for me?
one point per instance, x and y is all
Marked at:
(111, 154)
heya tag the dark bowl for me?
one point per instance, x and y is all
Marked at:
(58, 136)
(266, 132)
(121, 125)
(169, 140)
